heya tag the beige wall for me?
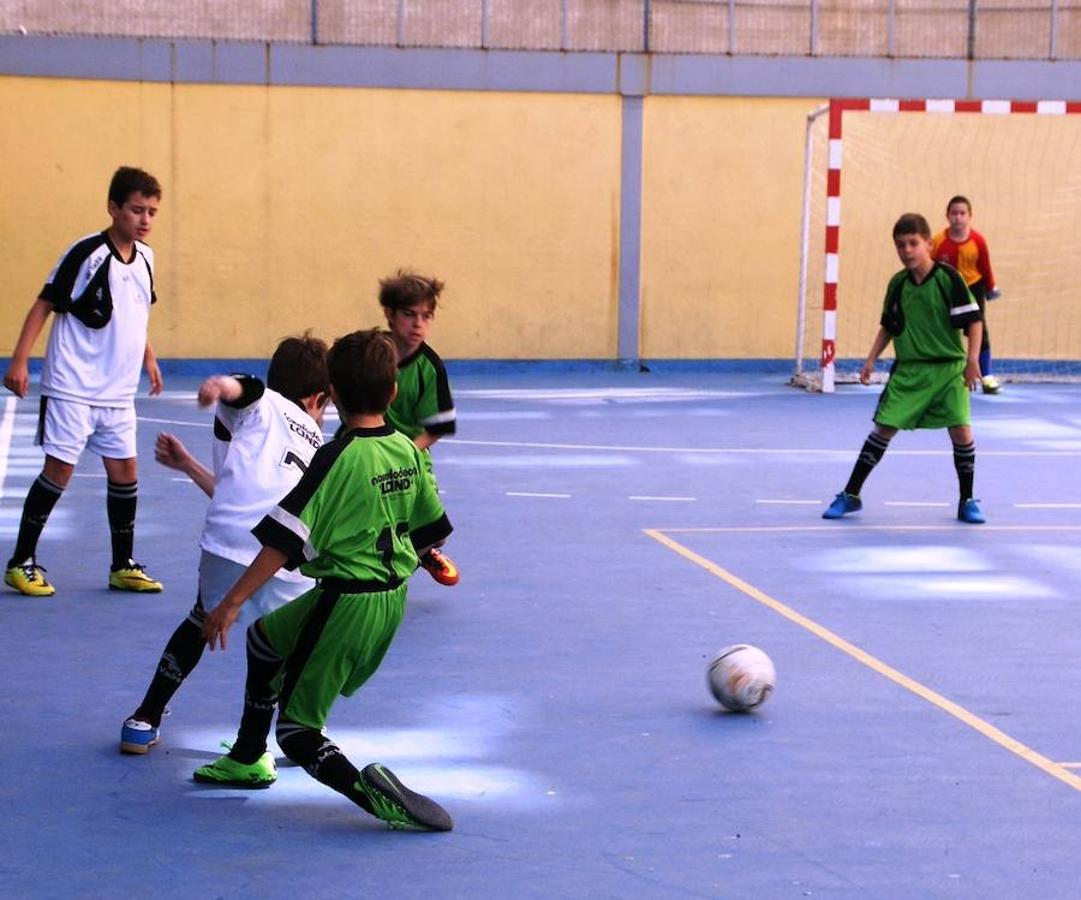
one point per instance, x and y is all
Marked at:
(283, 206)
(721, 226)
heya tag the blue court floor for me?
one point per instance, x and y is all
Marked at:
(613, 530)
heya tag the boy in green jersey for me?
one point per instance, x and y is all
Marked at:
(927, 307)
(423, 409)
(355, 522)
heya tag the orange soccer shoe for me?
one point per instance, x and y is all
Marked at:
(441, 567)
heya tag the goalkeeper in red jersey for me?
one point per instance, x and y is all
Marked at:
(964, 248)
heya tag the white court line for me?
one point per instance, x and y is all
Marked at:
(915, 503)
(175, 422)
(7, 424)
(672, 499)
(604, 393)
(836, 528)
(529, 494)
(1047, 505)
(90, 475)
(751, 451)
(793, 502)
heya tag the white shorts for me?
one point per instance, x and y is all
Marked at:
(67, 427)
(217, 574)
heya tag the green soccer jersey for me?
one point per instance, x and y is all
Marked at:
(424, 402)
(926, 319)
(359, 511)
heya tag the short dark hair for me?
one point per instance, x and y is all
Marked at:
(912, 223)
(298, 368)
(407, 289)
(363, 369)
(128, 180)
(959, 198)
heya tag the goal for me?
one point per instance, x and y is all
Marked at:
(1019, 162)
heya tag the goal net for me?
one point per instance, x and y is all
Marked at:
(869, 161)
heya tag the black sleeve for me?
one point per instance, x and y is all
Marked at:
(251, 389)
(432, 533)
(964, 310)
(58, 291)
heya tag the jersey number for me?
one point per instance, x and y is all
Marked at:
(291, 459)
(385, 543)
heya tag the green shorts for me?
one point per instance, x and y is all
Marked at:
(331, 643)
(925, 395)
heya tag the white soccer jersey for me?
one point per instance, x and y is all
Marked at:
(98, 337)
(260, 452)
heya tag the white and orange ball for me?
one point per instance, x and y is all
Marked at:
(741, 677)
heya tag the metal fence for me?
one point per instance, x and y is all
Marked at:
(955, 29)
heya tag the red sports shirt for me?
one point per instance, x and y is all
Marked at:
(971, 258)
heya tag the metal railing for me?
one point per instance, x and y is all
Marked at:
(954, 29)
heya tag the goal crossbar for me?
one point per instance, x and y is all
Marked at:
(838, 109)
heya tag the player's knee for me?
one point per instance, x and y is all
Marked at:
(885, 432)
(57, 471)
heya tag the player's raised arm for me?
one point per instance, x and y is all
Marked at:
(219, 387)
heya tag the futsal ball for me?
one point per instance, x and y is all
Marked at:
(741, 677)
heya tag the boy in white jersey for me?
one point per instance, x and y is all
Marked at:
(101, 291)
(264, 439)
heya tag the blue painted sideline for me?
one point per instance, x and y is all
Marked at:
(205, 367)
(1030, 368)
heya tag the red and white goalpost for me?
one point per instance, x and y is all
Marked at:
(1024, 178)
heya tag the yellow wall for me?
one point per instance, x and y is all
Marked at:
(721, 226)
(283, 207)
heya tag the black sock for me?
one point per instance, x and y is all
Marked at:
(869, 457)
(322, 759)
(180, 657)
(964, 461)
(40, 500)
(259, 698)
(120, 500)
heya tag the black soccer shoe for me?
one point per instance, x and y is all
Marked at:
(398, 806)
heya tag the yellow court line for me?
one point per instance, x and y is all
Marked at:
(1055, 770)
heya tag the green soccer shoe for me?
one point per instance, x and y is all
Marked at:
(227, 772)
